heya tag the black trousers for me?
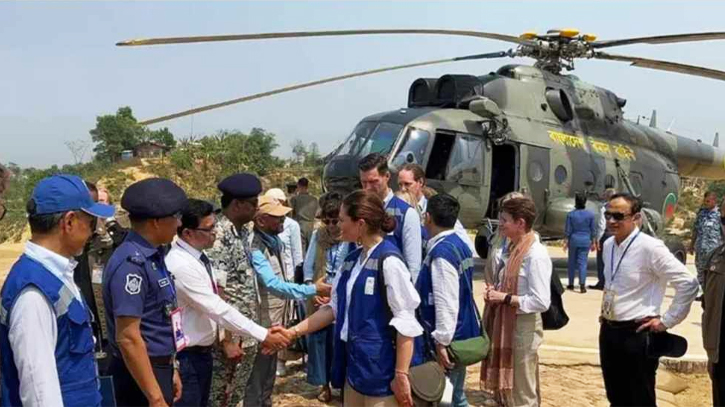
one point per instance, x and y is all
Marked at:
(195, 368)
(128, 394)
(600, 260)
(629, 376)
(717, 376)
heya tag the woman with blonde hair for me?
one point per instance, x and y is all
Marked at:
(497, 241)
(373, 306)
(520, 292)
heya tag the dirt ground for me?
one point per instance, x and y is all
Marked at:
(579, 386)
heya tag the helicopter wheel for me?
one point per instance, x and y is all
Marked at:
(677, 248)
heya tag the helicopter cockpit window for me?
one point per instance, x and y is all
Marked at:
(371, 137)
(413, 148)
(466, 162)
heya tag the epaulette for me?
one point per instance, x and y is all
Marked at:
(136, 258)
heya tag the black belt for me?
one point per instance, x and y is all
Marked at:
(631, 324)
(198, 349)
(162, 360)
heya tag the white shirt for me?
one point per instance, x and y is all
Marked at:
(601, 222)
(292, 255)
(458, 228)
(640, 283)
(33, 333)
(202, 308)
(403, 299)
(534, 285)
(445, 281)
(412, 238)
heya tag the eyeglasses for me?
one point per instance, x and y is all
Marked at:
(330, 222)
(616, 216)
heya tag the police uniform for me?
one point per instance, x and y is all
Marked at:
(232, 266)
(137, 284)
(709, 237)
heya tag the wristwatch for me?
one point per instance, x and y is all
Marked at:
(507, 299)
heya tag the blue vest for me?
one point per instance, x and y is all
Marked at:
(455, 251)
(397, 209)
(74, 356)
(367, 359)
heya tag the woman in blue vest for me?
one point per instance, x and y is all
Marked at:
(447, 311)
(373, 304)
(581, 235)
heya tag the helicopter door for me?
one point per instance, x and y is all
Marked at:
(455, 166)
(504, 175)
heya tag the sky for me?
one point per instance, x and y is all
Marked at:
(59, 67)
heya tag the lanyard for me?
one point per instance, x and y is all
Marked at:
(619, 264)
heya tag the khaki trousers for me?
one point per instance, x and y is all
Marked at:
(528, 335)
(354, 399)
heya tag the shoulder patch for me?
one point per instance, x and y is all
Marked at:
(136, 259)
(133, 284)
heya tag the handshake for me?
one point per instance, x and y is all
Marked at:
(278, 338)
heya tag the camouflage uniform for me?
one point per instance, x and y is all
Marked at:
(709, 237)
(235, 275)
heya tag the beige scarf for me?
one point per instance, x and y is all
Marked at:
(497, 373)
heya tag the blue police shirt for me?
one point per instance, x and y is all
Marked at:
(137, 284)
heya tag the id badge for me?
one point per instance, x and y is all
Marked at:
(180, 339)
(97, 275)
(370, 286)
(608, 304)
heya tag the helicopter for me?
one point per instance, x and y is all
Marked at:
(535, 129)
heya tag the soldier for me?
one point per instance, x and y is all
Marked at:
(139, 295)
(407, 236)
(46, 340)
(234, 359)
(706, 234)
(304, 210)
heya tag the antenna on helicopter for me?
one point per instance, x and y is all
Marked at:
(653, 119)
(669, 128)
(716, 142)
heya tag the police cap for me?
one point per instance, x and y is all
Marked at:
(153, 198)
(241, 185)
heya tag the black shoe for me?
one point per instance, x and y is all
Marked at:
(699, 298)
(596, 287)
(570, 287)
(583, 289)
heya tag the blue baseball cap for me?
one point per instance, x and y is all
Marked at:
(62, 193)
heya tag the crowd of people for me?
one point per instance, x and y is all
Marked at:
(204, 305)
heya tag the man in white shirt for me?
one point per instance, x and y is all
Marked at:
(46, 340)
(202, 308)
(407, 236)
(411, 178)
(637, 269)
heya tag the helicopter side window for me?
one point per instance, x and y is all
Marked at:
(413, 148)
(466, 162)
(441, 152)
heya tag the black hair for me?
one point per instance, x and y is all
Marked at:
(42, 224)
(193, 213)
(443, 210)
(303, 182)
(330, 204)
(580, 200)
(226, 201)
(374, 161)
(635, 203)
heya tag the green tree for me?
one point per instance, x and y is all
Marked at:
(299, 150)
(161, 136)
(116, 133)
(313, 158)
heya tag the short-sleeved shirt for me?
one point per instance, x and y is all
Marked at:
(233, 269)
(707, 226)
(137, 284)
(304, 208)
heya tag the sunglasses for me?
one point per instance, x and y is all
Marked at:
(207, 230)
(616, 216)
(330, 222)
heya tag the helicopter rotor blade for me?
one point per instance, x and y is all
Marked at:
(661, 39)
(200, 109)
(337, 33)
(664, 65)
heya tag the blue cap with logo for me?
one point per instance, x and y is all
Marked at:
(63, 193)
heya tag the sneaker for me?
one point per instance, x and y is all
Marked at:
(596, 286)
